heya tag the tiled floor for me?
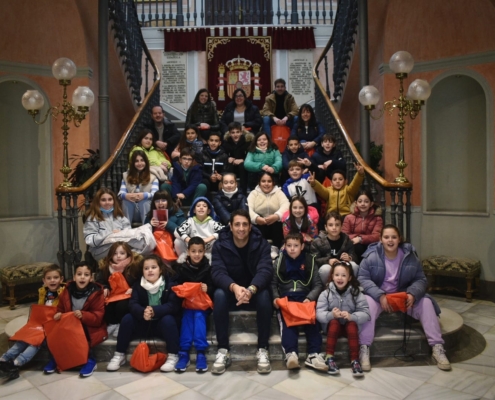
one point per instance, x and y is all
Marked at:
(471, 379)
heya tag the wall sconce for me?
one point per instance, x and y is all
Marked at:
(401, 63)
(83, 98)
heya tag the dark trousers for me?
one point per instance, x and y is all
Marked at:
(115, 311)
(273, 232)
(165, 328)
(224, 302)
(348, 330)
(290, 336)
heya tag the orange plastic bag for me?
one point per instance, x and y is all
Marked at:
(119, 286)
(296, 313)
(193, 295)
(67, 341)
(164, 245)
(280, 136)
(397, 301)
(143, 361)
(33, 333)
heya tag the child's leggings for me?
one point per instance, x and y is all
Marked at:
(348, 330)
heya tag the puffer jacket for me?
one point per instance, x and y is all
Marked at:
(256, 160)
(224, 206)
(252, 117)
(42, 294)
(411, 276)
(320, 247)
(311, 287)
(330, 298)
(368, 228)
(263, 204)
(312, 134)
(203, 113)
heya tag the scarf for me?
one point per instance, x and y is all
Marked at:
(152, 287)
(263, 151)
(229, 194)
(120, 266)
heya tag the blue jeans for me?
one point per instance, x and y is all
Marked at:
(22, 352)
(224, 302)
(142, 208)
(268, 123)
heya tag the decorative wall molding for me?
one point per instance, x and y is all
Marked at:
(39, 70)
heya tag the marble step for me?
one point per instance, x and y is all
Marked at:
(243, 338)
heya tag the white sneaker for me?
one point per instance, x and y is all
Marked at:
(116, 331)
(364, 358)
(222, 361)
(439, 356)
(292, 360)
(111, 329)
(116, 362)
(317, 362)
(169, 365)
(263, 357)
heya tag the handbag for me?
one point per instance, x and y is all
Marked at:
(67, 341)
(164, 246)
(397, 301)
(296, 313)
(193, 295)
(119, 287)
(143, 361)
(32, 333)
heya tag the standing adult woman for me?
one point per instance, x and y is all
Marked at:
(243, 111)
(203, 114)
(267, 204)
(392, 266)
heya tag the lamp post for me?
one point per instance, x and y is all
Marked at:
(401, 63)
(83, 98)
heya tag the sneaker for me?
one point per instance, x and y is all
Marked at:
(356, 368)
(201, 364)
(8, 370)
(292, 360)
(116, 362)
(317, 362)
(263, 357)
(333, 368)
(183, 362)
(222, 361)
(51, 367)
(116, 331)
(169, 365)
(364, 357)
(111, 329)
(88, 368)
(441, 359)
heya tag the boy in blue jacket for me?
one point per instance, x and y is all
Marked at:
(186, 179)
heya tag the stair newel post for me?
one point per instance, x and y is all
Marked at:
(69, 253)
(400, 210)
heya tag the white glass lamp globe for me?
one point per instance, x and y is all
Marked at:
(401, 62)
(83, 97)
(64, 69)
(419, 90)
(369, 96)
(32, 100)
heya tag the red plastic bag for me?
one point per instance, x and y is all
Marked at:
(143, 361)
(296, 313)
(67, 341)
(164, 245)
(33, 333)
(193, 295)
(119, 287)
(280, 136)
(397, 301)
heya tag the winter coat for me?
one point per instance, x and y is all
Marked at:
(319, 158)
(311, 287)
(221, 162)
(42, 294)
(237, 150)
(227, 265)
(313, 223)
(288, 156)
(411, 276)
(301, 187)
(201, 273)
(96, 231)
(174, 220)
(368, 228)
(320, 247)
(155, 156)
(290, 106)
(257, 159)
(329, 299)
(224, 206)
(263, 204)
(203, 113)
(252, 117)
(339, 200)
(93, 312)
(170, 304)
(186, 186)
(312, 134)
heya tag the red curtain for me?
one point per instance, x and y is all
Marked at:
(186, 39)
(293, 38)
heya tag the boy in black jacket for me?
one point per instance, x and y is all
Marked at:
(327, 158)
(215, 162)
(236, 146)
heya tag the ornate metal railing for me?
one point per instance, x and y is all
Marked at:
(154, 13)
(400, 194)
(71, 201)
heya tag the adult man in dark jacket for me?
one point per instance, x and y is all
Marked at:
(165, 133)
(242, 270)
(280, 108)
